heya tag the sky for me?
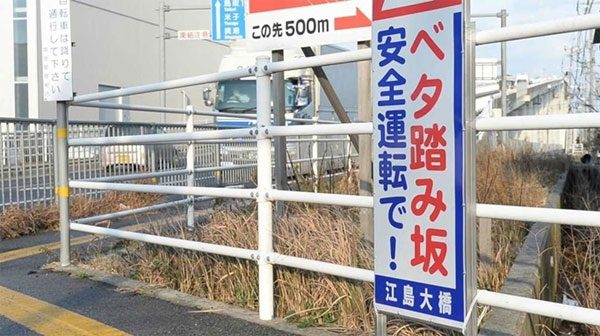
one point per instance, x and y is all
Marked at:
(536, 57)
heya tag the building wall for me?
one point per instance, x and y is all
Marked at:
(7, 96)
(115, 44)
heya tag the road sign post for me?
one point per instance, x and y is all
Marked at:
(420, 155)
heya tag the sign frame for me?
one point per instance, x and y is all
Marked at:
(464, 169)
(287, 24)
(57, 62)
(228, 20)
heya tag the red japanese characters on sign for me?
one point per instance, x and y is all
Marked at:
(418, 154)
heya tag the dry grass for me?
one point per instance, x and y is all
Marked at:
(322, 233)
(304, 298)
(580, 271)
(521, 178)
(16, 222)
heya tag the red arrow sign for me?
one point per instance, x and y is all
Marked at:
(349, 22)
(257, 6)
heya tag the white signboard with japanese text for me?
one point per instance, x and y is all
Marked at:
(56, 49)
(285, 24)
(189, 35)
(418, 160)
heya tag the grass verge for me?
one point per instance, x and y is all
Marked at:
(328, 234)
(580, 262)
(16, 221)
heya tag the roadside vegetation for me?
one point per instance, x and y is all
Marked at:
(328, 234)
(580, 271)
(17, 221)
(508, 177)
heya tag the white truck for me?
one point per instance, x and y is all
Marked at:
(239, 96)
(303, 100)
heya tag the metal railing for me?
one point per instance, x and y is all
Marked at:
(27, 171)
(264, 194)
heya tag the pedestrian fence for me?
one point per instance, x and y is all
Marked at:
(264, 193)
(27, 158)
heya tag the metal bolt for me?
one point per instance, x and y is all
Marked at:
(267, 131)
(266, 68)
(267, 195)
(255, 69)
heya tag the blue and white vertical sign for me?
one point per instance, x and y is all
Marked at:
(228, 20)
(418, 155)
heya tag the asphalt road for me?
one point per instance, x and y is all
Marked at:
(128, 312)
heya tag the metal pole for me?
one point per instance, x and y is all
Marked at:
(316, 115)
(503, 86)
(265, 207)
(315, 156)
(380, 324)
(189, 128)
(470, 175)
(592, 78)
(329, 91)
(365, 114)
(280, 144)
(162, 54)
(62, 185)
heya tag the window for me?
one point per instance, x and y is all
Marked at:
(21, 100)
(20, 61)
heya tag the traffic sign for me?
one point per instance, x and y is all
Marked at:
(188, 35)
(418, 154)
(228, 20)
(55, 20)
(286, 24)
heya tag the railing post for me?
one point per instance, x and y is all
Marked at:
(61, 162)
(265, 180)
(189, 128)
(470, 238)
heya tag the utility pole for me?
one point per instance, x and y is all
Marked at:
(162, 53)
(592, 96)
(365, 114)
(502, 15)
(504, 103)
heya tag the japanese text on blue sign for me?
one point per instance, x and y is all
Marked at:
(228, 20)
(418, 161)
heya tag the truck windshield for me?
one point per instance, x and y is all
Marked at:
(239, 96)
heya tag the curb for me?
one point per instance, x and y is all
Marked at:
(200, 305)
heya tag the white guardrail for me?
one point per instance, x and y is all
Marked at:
(264, 193)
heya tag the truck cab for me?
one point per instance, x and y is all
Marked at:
(239, 96)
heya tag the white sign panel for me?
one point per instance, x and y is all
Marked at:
(188, 35)
(418, 156)
(285, 24)
(56, 49)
